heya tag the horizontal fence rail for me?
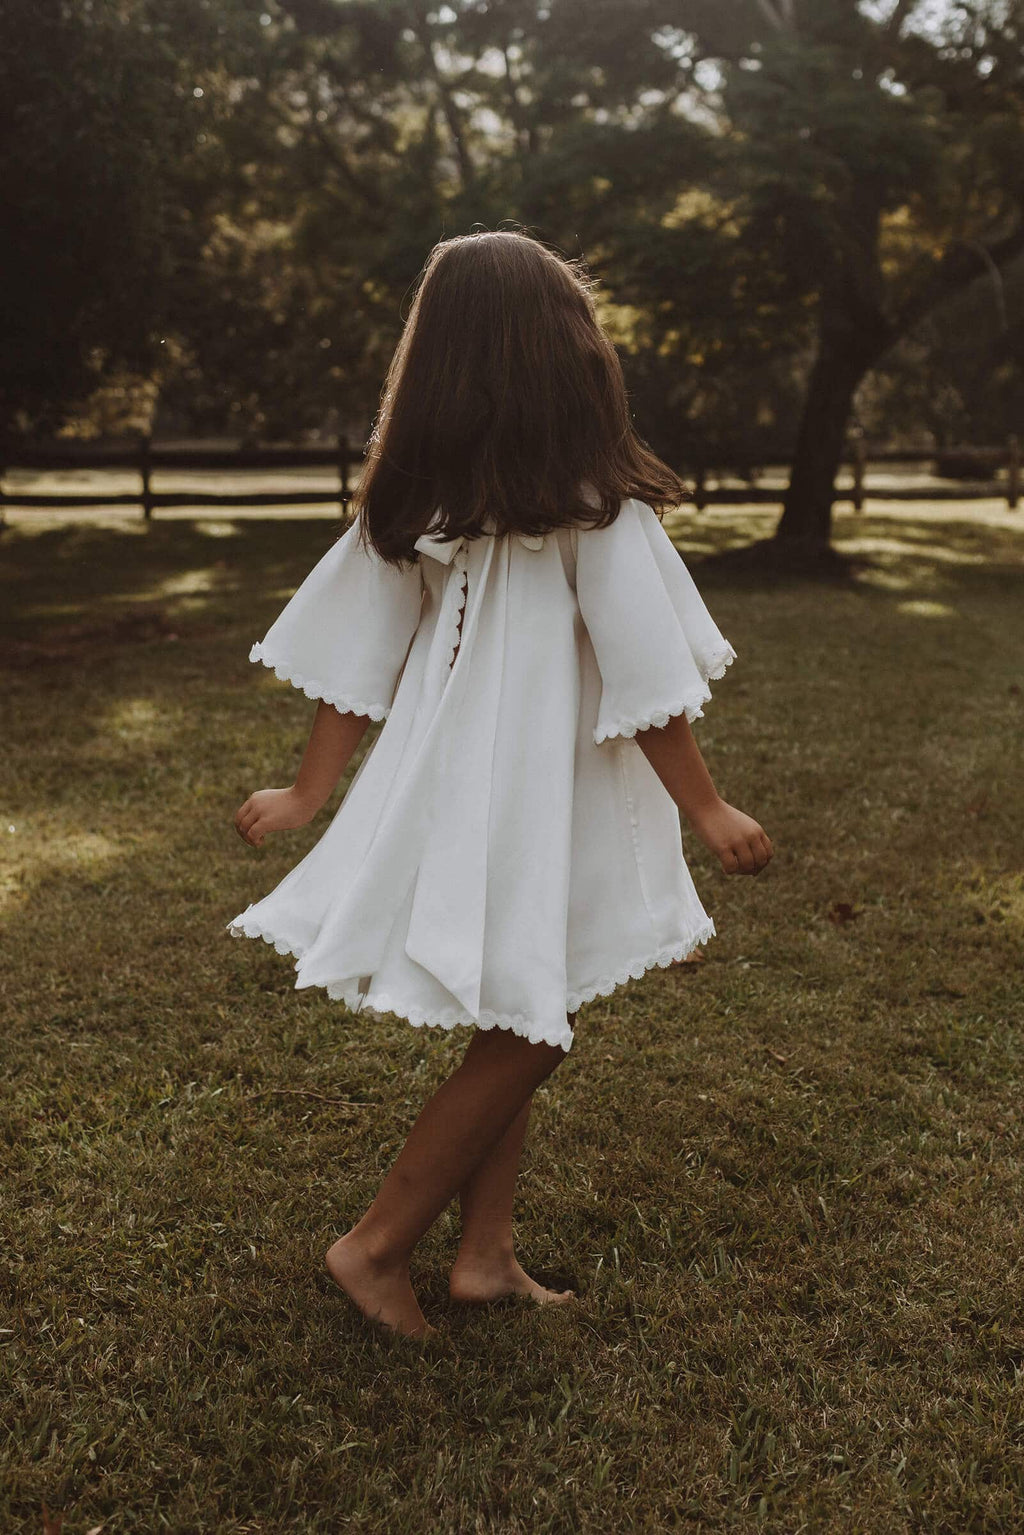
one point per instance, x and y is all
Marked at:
(981, 464)
(144, 458)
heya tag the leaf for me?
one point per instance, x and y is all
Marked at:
(978, 805)
(841, 912)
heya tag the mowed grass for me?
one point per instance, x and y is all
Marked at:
(786, 1183)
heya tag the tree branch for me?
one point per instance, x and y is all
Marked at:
(452, 116)
(901, 11)
(958, 267)
(779, 13)
(340, 161)
(524, 131)
(307, 122)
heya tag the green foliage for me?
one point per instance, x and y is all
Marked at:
(751, 183)
(95, 113)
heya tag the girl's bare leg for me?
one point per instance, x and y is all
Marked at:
(486, 1266)
(464, 1120)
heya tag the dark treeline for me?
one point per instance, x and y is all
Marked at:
(804, 214)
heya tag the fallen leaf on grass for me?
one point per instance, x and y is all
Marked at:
(841, 912)
(782, 1059)
(979, 805)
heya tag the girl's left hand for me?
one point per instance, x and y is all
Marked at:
(739, 843)
(272, 810)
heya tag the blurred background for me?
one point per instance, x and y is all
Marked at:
(806, 219)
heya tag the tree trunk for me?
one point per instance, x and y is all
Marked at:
(806, 522)
(452, 114)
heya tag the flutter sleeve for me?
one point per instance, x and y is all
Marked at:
(345, 634)
(656, 644)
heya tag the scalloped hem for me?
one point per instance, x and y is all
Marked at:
(339, 701)
(661, 959)
(348, 993)
(691, 706)
(514, 1023)
(379, 1002)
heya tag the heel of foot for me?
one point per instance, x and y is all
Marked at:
(383, 1296)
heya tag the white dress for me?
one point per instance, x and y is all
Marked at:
(505, 852)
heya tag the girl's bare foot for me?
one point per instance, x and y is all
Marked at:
(477, 1280)
(382, 1292)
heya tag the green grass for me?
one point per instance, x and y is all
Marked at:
(786, 1183)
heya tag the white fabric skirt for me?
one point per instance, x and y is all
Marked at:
(505, 852)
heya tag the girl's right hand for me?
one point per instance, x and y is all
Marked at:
(737, 841)
(272, 810)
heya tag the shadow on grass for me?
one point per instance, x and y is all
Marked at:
(914, 551)
(85, 582)
(90, 575)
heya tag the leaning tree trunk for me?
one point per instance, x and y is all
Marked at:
(806, 523)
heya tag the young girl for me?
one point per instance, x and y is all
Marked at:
(508, 602)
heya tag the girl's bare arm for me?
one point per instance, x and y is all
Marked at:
(736, 839)
(332, 740)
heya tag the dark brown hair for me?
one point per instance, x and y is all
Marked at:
(504, 408)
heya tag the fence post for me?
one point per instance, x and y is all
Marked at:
(699, 498)
(145, 470)
(858, 474)
(1013, 475)
(343, 490)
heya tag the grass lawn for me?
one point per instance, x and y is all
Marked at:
(786, 1182)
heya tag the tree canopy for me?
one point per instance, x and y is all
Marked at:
(793, 207)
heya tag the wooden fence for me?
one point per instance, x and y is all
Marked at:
(860, 454)
(143, 458)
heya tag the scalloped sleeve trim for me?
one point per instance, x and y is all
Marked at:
(313, 689)
(691, 704)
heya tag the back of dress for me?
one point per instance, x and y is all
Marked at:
(505, 852)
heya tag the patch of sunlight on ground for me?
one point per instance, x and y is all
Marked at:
(31, 520)
(189, 583)
(212, 528)
(321, 511)
(996, 896)
(34, 852)
(991, 512)
(921, 609)
(887, 580)
(137, 722)
(872, 544)
(718, 527)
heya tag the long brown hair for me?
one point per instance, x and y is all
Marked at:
(504, 408)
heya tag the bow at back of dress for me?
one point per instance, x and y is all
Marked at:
(445, 549)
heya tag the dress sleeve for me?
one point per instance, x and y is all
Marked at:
(656, 644)
(345, 634)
